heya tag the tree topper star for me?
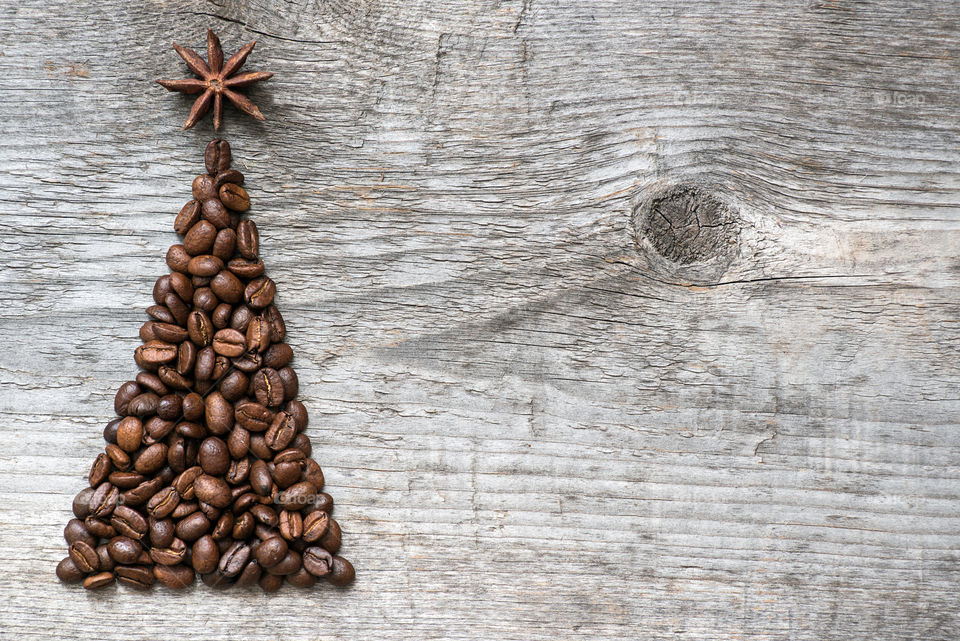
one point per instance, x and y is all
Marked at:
(216, 80)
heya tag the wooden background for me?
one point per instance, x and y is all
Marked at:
(548, 404)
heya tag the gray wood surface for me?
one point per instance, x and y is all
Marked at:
(550, 403)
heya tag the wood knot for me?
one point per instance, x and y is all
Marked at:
(686, 232)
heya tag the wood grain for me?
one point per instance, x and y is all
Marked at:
(535, 425)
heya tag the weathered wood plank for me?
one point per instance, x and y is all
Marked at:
(535, 426)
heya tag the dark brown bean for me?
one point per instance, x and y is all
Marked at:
(260, 480)
(84, 556)
(290, 525)
(205, 554)
(163, 503)
(204, 265)
(235, 197)
(204, 187)
(315, 525)
(248, 240)
(317, 561)
(224, 244)
(217, 156)
(178, 258)
(342, 572)
(229, 176)
(193, 526)
(281, 432)
(178, 308)
(258, 334)
(81, 502)
(151, 459)
(104, 500)
(214, 211)
(200, 328)
(331, 539)
(98, 581)
(268, 387)
(175, 577)
(130, 433)
(270, 552)
(246, 268)
(129, 522)
(100, 470)
(235, 559)
(199, 240)
(229, 342)
(123, 549)
(214, 457)
(219, 413)
(172, 554)
(234, 385)
(68, 572)
(212, 490)
(253, 416)
(187, 218)
(259, 292)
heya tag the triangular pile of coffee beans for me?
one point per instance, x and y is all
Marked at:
(207, 469)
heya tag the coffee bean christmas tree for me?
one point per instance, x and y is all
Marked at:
(207, 470)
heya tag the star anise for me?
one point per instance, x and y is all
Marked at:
(216, 81)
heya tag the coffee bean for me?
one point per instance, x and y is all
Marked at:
(290, 525)
(250, 574)
(75, 530)
(136, 576)
(104, 500)
(126, 480)
(204, 265)
(204, 187)
(270, 552)
(152, 383)
(184, 483)
(219, 413)
(315, 525)
(193, 527)
(199, 240)
(172, 554)
(248, 363)
(110, 431)
(228, 176)
(68, 572)
(291, 384)
(84, 557)
(282, 430)
(259, 292)
(313, 473)
(268, 387)
(175, 577)
(258, 447)
(216, 156)
(81, 502)
(270, 582)
(235, 197)
(235, 559)
(200, 328)
(186, 359)
(124, 550)
(178, 258)
(331, 539)
(181, 285)
(245, 268)
(191, 430)
(265, 514)
(143, 404)
(187, 218)
(127, 392)
(151, 459)
(288, 565)
(278, 329)
(224, 244)
(260, 479)
(234, 385)
(161, 532)
(248, 240)
(206, 358)
(286, 474)
(147, 332)
(212, 490)
(342, 572)
(160, 289)
(214, 457)
(229, 342)
(205, 555)
(239, 471)
(163, 503)
(223, 527)
(98, 581)
(258, 334)
(317, 561)
(100, 470)
(214, 211)
(323, 502)
(178, 308)
(143, 492)
(129, 522)
(160, 313)
(253, 416)
(157, 352)
(130, 433)
(99, 527)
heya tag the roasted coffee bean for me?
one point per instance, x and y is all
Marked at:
(184, 483)
(265, 514)
(291, 384)
(68, 572)
(204, 187)
(124, 550)
(315, 525)
(290, 525)
(161, 313)
(224, 526)
(216, 156)
(301, 578)
(181, 285)
(100, 470)
(288, 565)
(98, 581)
(214, 457)
(216, 580)
(130, 433)
(241, 317)
(286, 474)
(260, 479)
(206, 359)
(235, 559)
(228, 176)
(186, 508)
(205, 555)
(129, 522)
(81, 502)
(142, 492)
(250, 574)
(147, 332)
(172, 377)
(168, 409)
(248, 240)
(342, 572)
(193, 527)
(278, 329)
(136, 576)
(152, 383)
(238, 472)
(187, 218)
(289, 455)
(224, 245)
(178, 308)
(161, 532)
(214, 211)
(219, 413)
(151, 459)
(238, 443)
(104, 500)
(110, 431)
(258, 447)
(312, 473)
(175, 577)
(270, 582)
(84, 557)
(119, 458)
(143, 404)
(186, 359)
(172, 554)
(253, 416)
(204, 265)
(75, 530)
(258, 334)
(259, 292)
(163, 503)
(277, 356)
(268, 387)
(157, 352)
(229, 342)
(193, 407)
(248, 363)
(127, 392)
(191, 430)
(199, 240)
(235, 197)
(221, 314)
(227, 287)
(178, 258)
(317, 561)
(331, 539)
(126, 480)
(270, 552)
(160, 289)
(106, 561)
(234, 385)
(281, 432)
(297, 496)
(99, 527)
(243, 526)
(200, 328)
(246, 268)
(212, 490)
